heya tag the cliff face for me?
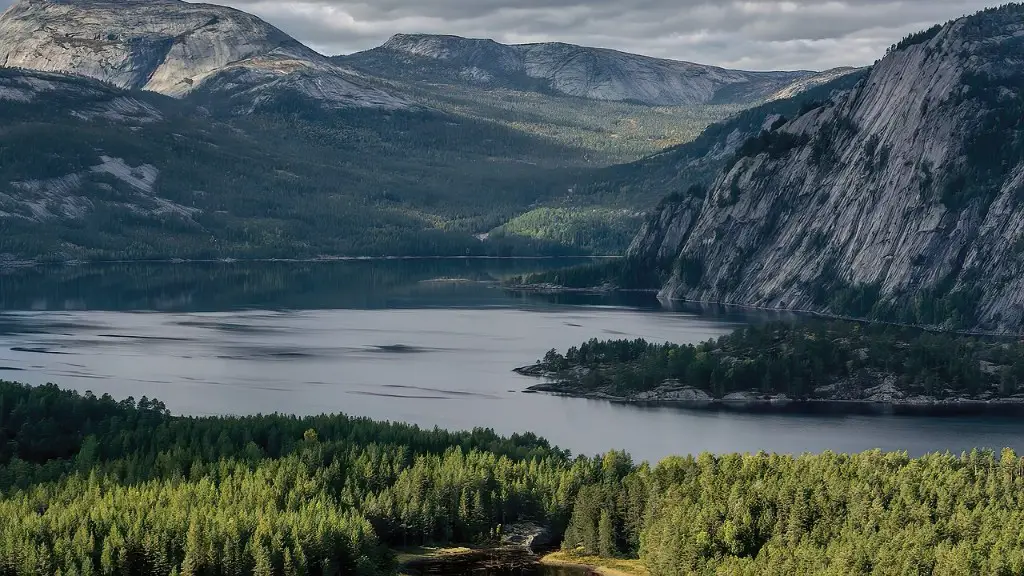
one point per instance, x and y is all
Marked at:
(174, 48)
(593, 73)
(900, 199)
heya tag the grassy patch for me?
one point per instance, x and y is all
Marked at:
(603, 566)
(414, 553)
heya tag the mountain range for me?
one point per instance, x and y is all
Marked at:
(160, 128)
(166, 129)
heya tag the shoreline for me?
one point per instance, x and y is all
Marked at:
(687, 397)
(4, 264)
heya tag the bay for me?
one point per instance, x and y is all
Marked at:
(432, 342)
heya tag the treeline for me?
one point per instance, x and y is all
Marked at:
(797, 359)
(97, 486)
(624, 274)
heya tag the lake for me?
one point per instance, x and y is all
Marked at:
(431, 342)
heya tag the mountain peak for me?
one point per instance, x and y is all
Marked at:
(168, 46)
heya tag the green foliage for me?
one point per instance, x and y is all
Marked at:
(915, 38)
(90, 484)
(690, 269)
(796, 360)
(596, 230)
(97, 486)
(870, 513)
(775, 143)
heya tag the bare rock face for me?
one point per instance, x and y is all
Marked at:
(172, 47)
(804, 84)
(903, 197)
(594, 73)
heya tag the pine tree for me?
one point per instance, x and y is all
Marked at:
(606, 535)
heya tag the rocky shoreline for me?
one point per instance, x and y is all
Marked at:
(885, 393)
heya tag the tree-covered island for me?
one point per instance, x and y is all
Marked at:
(808, 361)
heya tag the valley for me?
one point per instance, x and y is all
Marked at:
(270, 310)
(254, 146)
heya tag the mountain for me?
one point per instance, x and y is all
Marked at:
(899, 200)
(92, 171)
(566, 69)
(177, 49)
(160, 129)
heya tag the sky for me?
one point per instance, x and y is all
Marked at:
(750, 34)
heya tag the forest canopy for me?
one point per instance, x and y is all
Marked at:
(92, 485)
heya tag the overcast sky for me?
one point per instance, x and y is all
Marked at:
(752, 34)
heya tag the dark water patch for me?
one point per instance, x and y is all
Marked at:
(38, 351)
(439, 391)
(235, 327)
(399, 349)
(272, 353)
(145, 338)
(83, 375)
(385, 395)
(290, 355)
(513, 561)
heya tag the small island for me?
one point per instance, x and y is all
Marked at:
(784, 363)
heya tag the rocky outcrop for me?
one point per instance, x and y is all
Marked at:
(902, 198)
(176, 48)
(805, 84)
(593, 73)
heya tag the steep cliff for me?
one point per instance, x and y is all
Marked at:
(176, 48)
(901, 199)
(567, 69)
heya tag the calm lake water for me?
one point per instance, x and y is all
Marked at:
(426, 341)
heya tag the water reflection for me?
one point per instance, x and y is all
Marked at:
(219, 286)
(380, 339)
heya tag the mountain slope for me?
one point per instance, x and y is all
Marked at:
(807, 83)
(566, 69)
(899, 200)
(90, 171)
(177, 48)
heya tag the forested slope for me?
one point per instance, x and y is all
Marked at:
(90, 485)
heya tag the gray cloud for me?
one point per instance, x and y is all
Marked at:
(750, 34)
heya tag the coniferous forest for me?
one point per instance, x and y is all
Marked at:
(92, 485)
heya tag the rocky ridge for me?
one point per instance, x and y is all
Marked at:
(567, 69)
(177, 49)
(893, 200)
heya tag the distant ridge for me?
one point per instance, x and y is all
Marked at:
(567, 69)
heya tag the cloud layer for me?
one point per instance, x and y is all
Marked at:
(750, 34)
